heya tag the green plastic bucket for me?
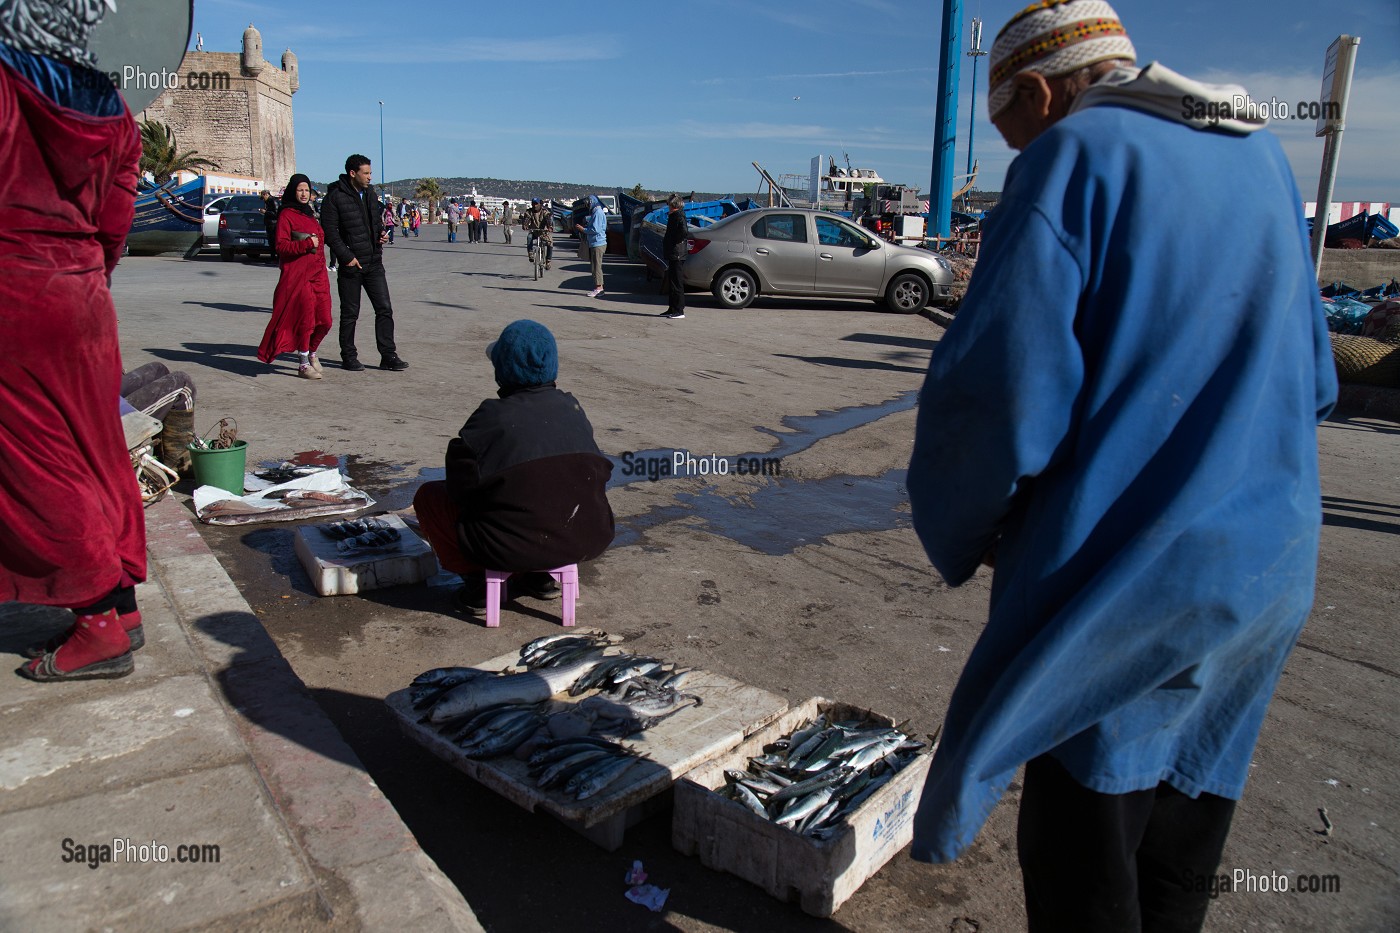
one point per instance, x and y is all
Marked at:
(222, 468)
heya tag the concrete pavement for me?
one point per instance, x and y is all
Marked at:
(211, 755)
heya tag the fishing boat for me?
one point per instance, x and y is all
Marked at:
(698, 215)
(169, 218)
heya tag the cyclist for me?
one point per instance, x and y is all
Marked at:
(539, 225)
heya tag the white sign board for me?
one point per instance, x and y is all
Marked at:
(1336, 84)
(814, 182)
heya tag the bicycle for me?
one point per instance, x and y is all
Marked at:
(541, 250)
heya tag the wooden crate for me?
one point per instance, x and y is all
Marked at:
(819, 874)
(731, 711)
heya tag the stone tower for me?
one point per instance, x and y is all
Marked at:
(236, 109)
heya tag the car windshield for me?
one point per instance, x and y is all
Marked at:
(243, 202)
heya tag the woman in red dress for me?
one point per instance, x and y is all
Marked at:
(301, 306)
(72, 531)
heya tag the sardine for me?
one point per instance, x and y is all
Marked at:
(560, 771)
(749, 799)
(811, 785)
(605, 778)
(802, 807)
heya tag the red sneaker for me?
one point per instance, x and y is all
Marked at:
(97, 648)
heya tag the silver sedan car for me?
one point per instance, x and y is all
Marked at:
(815, 254)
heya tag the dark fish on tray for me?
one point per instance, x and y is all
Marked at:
(383, 539)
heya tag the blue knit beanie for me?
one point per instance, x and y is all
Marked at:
(524, 355)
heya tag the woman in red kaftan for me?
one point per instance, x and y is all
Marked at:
(301, 305)
(72, 530)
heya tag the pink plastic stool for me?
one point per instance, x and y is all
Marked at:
(495, 579)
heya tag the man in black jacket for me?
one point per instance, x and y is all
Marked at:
(353, 220)
(526, 486)
(673, 249)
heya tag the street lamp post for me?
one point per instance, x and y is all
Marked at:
(383, 177)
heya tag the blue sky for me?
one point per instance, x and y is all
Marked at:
(682, 96)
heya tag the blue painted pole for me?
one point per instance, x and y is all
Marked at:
(940, 214)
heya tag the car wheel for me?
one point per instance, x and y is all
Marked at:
(907, 294)
(226, 254)
(735, 288)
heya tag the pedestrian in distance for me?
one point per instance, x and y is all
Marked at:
(352, 219)
(415, 220)
(390, 224)
(526, 485)
(1139, 470)
(595, 234)
(269, 211)
(507, 219)
(454, 216)
(301, 305)
(74, 534)
(473, 214)
(674, 248)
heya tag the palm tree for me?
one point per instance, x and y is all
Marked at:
(161, 156)
(430, 189)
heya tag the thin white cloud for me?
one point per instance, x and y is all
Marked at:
(848, 74)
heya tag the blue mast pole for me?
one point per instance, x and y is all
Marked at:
(940, 213)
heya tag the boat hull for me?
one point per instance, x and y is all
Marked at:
(168, 219)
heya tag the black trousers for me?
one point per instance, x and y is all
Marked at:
(372, 279)
(1116, 863)
(675, 285)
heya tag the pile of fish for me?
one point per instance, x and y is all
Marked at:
(811, 780)
(582, 767)
(489, 714)
(362, 534)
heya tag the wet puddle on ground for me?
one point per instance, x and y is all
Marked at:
(773, 514)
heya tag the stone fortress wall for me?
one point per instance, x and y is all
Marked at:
(236, 109)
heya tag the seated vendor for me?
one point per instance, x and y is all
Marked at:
(526, 486)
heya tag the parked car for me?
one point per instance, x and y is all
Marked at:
(809, 253)
(241, 228)
(215, 208)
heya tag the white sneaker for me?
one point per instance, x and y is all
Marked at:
(595, 293)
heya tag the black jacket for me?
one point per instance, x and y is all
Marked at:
(530, 483)
(352, 223)
(673, 247)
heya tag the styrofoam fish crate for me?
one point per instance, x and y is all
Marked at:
(819, 874)
(335, 574)
(731, 711)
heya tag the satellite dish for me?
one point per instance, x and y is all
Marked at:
(141, 44)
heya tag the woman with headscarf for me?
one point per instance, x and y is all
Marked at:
(301, 305)
(74, 533)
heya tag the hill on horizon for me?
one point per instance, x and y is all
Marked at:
(524, 190)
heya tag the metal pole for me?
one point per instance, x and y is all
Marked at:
(1336, 89)
(940, 213)
(974, 53)
(383, 178)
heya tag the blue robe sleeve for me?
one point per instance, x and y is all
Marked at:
(998, 403)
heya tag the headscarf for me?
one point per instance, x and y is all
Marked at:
(289, 197)
(524, 355)
(1053, 38)
(56, 28)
